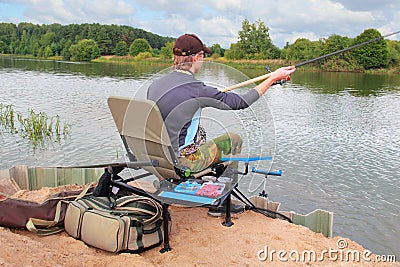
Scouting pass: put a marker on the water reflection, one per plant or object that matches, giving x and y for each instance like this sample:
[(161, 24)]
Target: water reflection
[(356, 84), (136, 70)]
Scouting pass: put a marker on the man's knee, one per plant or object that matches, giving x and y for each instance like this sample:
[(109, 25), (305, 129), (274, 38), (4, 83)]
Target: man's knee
[(236, 143)]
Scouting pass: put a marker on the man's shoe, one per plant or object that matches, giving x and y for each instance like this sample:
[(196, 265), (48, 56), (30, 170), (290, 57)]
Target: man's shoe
[(220, 211)]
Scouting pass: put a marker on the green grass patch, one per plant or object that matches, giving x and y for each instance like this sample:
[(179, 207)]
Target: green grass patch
[(37, 127)]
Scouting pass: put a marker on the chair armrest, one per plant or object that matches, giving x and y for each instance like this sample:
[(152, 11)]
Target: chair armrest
[(245, 158)]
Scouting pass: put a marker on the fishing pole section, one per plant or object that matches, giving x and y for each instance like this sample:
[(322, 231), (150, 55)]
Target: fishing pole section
[(266, 76)]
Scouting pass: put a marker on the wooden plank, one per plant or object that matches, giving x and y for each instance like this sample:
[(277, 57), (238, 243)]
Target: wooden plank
[(20, 175), (5, 173), (320, 221), (8, 186), (92, 175), (89, 173), (60, 177), (64, 176), (31, 178), (78, 176), (45, 177), (264, 203)]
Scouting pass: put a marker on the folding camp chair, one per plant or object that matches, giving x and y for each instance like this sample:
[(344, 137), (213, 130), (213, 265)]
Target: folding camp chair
[(146, 140)]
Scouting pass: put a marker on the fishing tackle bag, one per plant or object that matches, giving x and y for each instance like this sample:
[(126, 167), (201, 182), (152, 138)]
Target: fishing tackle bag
[(130, 223), (19, 213)]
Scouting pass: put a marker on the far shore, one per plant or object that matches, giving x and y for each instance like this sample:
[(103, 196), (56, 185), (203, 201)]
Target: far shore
[(239, 64)]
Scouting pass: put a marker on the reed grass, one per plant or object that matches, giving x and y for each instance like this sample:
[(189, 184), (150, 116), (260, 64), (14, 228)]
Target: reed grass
[(39, 128)]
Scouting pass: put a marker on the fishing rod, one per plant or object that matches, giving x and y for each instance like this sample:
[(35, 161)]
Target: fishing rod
[(131, 165), (266, 76), (345, 49)]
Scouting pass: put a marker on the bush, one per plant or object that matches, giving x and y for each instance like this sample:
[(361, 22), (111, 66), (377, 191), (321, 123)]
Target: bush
[(85, 50), (167, 50), (143, 55), (374, 55), (138, 46), (121, 48)]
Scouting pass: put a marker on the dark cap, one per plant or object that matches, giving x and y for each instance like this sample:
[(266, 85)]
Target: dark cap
[(189, 44)]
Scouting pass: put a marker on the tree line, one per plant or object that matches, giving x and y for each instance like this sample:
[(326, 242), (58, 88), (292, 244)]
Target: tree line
[(85, 42), (254, 42), (80, 42)]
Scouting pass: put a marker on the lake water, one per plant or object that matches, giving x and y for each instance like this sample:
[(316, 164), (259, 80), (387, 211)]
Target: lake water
[(336, 136)]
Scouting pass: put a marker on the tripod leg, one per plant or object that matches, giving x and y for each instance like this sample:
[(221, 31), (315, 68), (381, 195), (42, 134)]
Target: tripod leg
[(166, 247)]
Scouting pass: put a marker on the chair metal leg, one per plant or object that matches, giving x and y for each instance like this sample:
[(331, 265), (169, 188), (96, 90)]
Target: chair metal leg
[(166, 247), (228, 221)]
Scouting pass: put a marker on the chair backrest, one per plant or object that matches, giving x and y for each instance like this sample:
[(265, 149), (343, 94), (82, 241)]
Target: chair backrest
[(139, 122)]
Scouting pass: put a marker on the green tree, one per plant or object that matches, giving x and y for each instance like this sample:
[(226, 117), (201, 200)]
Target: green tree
[(234, 52), (167, 50), (48, 38), (55, 49), (65, 52), (336, 42), (24, 38), (40, 52), (35, 48), (301, 50), (342, 61), (3, 47), (255, 42), (101, 36), (14, 47), (85, 50), (373, 55), (25, 46), (121, 48), (394, 53), (48, 52), (217, 50), (138, 46), (8, 33)]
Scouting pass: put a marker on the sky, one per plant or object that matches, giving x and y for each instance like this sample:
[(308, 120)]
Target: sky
[(217, 21)]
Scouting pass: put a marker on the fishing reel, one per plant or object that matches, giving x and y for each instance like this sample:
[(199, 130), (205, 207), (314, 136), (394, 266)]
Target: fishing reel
[(281, 82)]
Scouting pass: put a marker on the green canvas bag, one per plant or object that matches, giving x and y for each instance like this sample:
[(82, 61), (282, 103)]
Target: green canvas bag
[(130, 223)]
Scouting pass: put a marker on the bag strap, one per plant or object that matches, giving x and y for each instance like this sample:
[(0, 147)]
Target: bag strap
[(44, 227), (96, 202), (84, 192), (124, 201)]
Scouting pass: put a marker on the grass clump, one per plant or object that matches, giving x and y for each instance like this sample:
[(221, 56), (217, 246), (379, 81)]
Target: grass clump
[(39, 128)]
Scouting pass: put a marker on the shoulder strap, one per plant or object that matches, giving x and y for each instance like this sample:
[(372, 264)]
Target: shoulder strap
[(155, 212), (44, 227)]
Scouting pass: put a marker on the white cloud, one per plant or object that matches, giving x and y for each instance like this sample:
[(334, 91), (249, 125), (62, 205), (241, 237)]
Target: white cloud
[(219, 30), (76, 11), (228, 5), (220, 21)]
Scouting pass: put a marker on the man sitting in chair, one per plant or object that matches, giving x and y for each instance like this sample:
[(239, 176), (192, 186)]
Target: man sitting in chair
[(180, 98)]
